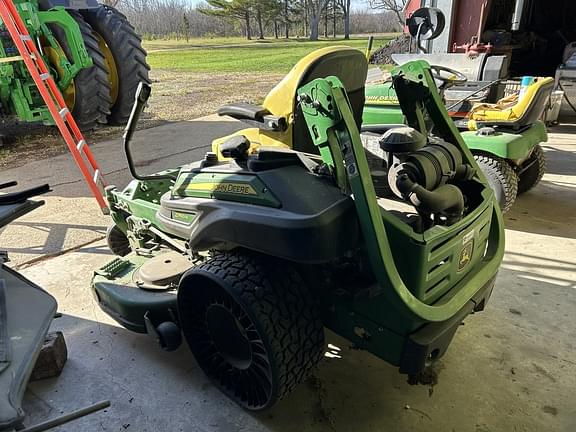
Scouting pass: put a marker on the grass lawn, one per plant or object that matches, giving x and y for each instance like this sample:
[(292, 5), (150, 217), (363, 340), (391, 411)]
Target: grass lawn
[(269, 56)]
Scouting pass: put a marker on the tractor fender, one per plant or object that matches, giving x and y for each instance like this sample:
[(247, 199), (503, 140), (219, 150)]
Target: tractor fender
[(515, 146)]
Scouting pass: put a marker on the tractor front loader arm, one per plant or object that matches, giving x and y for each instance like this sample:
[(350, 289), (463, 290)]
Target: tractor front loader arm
[(77, 57)]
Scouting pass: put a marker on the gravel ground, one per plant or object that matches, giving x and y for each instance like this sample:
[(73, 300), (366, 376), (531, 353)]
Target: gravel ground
[(176, 96)]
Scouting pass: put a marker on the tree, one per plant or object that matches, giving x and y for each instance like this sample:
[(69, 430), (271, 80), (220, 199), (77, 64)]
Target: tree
[(315, 8), (344, 6), (235, 9), (394, 6), (186, 26)]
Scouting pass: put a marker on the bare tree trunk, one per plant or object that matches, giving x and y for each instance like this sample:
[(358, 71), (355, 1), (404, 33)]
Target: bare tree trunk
[(347, 26), (326, 23), (286, 20), (334, 9), (306, 20), (314, 27), (247, 23), (259, 19), (275, 29)]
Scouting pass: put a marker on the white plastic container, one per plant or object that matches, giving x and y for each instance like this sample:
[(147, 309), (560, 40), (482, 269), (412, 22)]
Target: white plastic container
[(553, 111)]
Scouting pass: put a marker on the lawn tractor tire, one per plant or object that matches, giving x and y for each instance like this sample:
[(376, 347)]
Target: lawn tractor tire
[(117, 241), (501, 178), (125, 57), (536, 167), (91, 86), (252, 324)]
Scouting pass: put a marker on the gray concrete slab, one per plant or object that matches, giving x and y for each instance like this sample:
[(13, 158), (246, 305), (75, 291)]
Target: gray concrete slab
[(511, 368)]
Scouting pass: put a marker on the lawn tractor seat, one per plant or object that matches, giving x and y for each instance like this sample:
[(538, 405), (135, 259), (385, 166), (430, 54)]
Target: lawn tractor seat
[(505, 115), (279, 121)]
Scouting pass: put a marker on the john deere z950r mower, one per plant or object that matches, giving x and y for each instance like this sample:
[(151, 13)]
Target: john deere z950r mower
[(94, 55), (249, 253)]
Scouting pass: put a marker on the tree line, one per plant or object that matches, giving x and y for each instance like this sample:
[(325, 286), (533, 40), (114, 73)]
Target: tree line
[(253, 19)]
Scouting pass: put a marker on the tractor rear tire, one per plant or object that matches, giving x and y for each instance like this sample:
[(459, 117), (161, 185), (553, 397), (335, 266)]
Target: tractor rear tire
[(252, 325), (533, 174), (91, 86), (117, 241), (128, 58), (501, 178)]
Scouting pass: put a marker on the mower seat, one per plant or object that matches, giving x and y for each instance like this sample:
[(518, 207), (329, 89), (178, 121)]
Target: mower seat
[(348, 64), (279, 121), (509, 115)]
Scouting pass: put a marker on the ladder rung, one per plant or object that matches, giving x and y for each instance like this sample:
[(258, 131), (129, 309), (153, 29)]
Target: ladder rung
[(81, 145), (63, 112), (44, 76), (96, 176), (25, 37)]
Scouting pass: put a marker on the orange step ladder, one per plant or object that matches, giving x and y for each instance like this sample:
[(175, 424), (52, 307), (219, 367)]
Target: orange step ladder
[(54, 101)]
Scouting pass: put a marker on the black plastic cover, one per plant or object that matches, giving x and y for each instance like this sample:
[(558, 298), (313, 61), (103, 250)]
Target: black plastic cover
[(316, 222)]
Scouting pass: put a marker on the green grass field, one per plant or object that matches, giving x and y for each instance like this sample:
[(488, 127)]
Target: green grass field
[(230, 55)]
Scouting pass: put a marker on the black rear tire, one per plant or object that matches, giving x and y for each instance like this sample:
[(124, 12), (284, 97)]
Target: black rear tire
[(532, 175), (91, 86), (117, 241), (129, 57), (501, 178), (252, 325)]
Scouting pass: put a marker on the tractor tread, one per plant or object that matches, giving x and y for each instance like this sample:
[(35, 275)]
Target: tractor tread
[(126, 45), (498, 171), (92, 98)]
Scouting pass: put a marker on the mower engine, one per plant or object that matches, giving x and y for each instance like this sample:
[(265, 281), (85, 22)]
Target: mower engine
[(425, 171)]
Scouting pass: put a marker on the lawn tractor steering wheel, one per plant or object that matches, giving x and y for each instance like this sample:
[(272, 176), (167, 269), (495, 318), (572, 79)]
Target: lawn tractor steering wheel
[(448, 77)]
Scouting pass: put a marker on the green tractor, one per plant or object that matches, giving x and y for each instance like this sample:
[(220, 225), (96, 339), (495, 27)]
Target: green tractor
[(251, 252), (504, 138), (93, 53)]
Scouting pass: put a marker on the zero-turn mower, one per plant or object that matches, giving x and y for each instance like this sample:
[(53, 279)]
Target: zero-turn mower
[(249, 253)]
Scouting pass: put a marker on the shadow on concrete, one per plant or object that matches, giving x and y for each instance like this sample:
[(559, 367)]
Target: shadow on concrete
[(548, 209), (56, 235), (541, 268), (561, 162)]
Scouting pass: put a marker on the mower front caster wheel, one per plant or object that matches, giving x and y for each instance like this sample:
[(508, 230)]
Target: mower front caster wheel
[(252, 325), (169, 336), (501, 178)]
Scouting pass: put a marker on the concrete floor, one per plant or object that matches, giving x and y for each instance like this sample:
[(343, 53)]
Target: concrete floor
[(511, 368)]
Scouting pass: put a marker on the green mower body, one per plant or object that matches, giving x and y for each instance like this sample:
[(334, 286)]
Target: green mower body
[(286, 242)]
